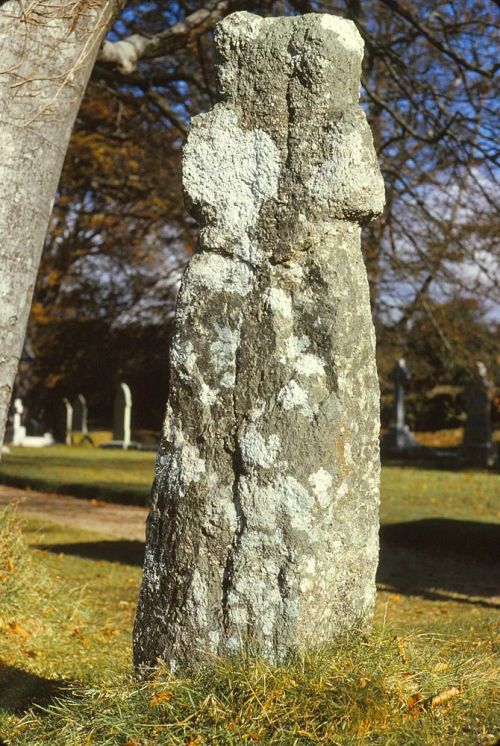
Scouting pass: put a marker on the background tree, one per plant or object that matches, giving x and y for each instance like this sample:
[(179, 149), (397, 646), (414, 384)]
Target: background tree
[(429, 92), (46, 56)]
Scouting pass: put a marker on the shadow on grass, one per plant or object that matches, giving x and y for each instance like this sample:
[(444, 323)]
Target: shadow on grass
[(435, 557), (435, 458), (432, 558), (110, 493), (124, 551), (20, 690)]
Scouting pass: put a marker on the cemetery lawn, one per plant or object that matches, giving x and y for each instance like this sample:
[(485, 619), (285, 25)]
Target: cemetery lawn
[(427, 675), (94, 473)]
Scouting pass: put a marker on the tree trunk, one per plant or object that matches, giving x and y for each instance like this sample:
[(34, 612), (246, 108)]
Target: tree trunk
[(47, 52)]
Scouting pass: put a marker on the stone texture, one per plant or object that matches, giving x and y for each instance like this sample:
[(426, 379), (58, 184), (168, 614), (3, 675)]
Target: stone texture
[(398, 438), (264, 515), (80, 414), (122, 413), (64, 422), (478, 448)]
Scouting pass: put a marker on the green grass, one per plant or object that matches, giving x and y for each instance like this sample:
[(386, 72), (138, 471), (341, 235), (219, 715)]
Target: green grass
[(410, 493), (125, 476), (111, 475), (66, 614), (64, 618), (380, 690)]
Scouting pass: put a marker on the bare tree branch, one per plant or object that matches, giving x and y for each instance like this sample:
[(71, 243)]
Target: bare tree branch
[(126, 53), (397, 8), (162, 103)]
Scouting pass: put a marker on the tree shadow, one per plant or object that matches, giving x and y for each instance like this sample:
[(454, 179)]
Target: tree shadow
[(436, 458), (127, 552), (436, 557), (20, 690)]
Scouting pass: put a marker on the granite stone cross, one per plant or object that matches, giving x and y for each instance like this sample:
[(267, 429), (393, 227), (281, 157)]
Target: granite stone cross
[(263, 526)]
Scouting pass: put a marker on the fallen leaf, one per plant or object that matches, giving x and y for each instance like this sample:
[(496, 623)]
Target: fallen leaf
[(401, 649), (444, 696), (415, 703), (111, 632), (441, 666), (16, 629), (160, 697)]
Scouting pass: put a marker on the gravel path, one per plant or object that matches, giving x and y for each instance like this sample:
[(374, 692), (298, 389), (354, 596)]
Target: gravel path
[(119, 521)]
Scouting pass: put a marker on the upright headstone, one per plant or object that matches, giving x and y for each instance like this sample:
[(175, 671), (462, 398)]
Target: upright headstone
[(122, 417), (398, 437), (64, 422), (80, 414), (264, 517), (478, 448), (18, 430)]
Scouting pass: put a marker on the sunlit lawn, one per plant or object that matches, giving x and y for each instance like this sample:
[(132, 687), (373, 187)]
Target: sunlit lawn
[(71, 620), (113, 475)]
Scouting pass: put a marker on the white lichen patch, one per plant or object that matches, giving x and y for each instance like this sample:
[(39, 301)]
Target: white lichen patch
[(215, 272), (191, 465), (208, 396), (304, 363), (348, 173), (199, 596), (293, 395), (256, 450), (321, 483), (298, 505), (223, 353), (279, 302), (169, 425), (257, 411), (183, 357), (346, 31), (220, 514), (229, 173)]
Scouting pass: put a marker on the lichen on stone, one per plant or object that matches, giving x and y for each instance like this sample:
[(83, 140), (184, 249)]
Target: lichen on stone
[(264, 511)]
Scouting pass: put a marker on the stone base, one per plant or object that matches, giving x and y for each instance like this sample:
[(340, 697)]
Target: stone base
[(398, 440), (38, 441), (482, 455), (132, 446), (33, 441), (119, 444)]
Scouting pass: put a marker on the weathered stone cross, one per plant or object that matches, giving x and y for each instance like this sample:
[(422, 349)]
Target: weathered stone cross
[(264, 517)]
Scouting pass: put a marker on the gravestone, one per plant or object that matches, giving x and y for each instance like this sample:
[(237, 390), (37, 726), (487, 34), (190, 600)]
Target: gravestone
[(263, 525), (80, 414), (18, 429), (64, 422), (121, 417), (398, 437), (478, 448)]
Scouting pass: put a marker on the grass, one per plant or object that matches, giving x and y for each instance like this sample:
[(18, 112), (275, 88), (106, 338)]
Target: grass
[(414, 493), (382, 690), (110, 475), (66, 613)]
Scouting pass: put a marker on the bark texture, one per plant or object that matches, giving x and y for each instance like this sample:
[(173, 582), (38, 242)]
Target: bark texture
[(47, 51), (264, 517)]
